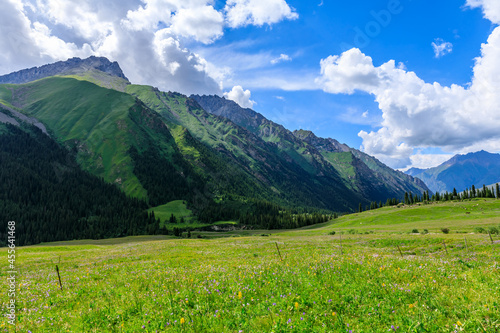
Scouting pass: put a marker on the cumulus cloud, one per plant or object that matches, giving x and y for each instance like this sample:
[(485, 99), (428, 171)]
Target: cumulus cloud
[(491, 9), (281, 58), (417, 113), (146, 37), (441, 47), (257, 12), (425, 161), (203, 23), (240, 96)]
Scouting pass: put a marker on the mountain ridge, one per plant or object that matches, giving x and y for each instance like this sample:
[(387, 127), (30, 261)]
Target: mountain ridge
[(227, 163), (461, 172), (369, 176), (94, 69)]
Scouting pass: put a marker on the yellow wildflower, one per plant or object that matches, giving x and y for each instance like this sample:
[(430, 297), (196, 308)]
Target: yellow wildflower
[(296, 305), (240, 295), (183, 320)]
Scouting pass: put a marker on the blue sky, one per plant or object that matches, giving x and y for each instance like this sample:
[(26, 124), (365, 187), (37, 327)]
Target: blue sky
[(318, 65)]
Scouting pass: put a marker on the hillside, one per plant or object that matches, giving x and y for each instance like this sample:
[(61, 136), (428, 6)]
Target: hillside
[(159, 147), (461, 172), (274, 174), (44, 190), (358, 171)]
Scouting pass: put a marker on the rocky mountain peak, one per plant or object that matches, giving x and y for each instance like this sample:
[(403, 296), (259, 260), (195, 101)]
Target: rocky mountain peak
[(73, 66)]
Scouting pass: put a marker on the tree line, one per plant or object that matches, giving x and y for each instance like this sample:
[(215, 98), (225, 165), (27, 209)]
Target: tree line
[(50, 198)]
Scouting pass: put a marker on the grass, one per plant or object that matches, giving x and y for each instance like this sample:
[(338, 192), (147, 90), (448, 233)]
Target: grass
[(239, 284), (177, 208)]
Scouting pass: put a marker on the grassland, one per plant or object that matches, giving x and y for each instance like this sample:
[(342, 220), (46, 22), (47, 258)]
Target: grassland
[(239, 283), (177, 208)]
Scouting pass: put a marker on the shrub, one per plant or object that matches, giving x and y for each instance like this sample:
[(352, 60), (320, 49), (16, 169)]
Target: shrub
[(425, 232), (352, 232), (331, 232), (479, 230), (414, 231), (494, 230), (445, 230)]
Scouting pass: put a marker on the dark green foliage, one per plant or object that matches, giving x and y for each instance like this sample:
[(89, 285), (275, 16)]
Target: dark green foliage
[(445, 230), (479, 230), (494, 230), (51, 198)]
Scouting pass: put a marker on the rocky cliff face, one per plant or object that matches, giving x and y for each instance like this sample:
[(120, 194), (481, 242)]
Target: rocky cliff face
[(69, 67), (325, 145)]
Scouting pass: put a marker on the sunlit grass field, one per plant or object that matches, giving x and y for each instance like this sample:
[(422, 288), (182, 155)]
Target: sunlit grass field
[(376, 276)]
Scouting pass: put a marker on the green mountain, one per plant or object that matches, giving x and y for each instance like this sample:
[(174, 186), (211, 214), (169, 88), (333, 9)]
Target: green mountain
[(461, 172), (51, 198), (270, 172), (358, 171), (157, 147)]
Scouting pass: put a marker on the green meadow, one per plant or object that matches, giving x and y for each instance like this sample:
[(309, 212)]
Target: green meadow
[(177, 208), (375, 274)]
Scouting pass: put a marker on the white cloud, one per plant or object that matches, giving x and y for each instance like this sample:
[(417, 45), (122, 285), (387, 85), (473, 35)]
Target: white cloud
[(146, 37), (425, 161), (441, 48), (420, 114), (281, 58), (203, 23), (240, 96), (257, 12), (25, 43), (125, 31), (491, 9)]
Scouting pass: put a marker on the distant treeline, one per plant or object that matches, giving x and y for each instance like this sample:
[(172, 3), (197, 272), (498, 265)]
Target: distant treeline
[(410, 198), (264, 214)]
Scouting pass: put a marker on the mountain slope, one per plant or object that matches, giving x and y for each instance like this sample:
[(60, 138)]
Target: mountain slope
[(44, 190), (163, 146), (360, 172), (461, 172), (267, 163), (112, 134)]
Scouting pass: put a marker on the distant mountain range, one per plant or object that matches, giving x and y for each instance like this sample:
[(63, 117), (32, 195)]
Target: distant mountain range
[(461, 172), (161, 146)]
